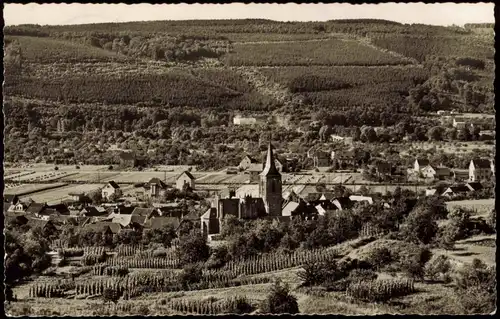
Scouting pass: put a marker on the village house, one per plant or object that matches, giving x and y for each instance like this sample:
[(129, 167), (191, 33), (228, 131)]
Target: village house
[(438, 173), (246, 162), (459, 122), (346, 158), (460, 175), (17, 208), (320, 158), (456, 190), (10, 199), (480, 169), (419, 164), (341, 139), (162, 222), (240, 120), (92, 211), (111, 189), (474, 186), (186, 179), (157, 187)]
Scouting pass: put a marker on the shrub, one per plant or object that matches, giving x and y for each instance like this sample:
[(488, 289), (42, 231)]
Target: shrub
[(110, 167), (240, 305), (56, 168), (379, 257), (191, 274), (476, 287), (110, 295), (438, 268), (312, 273), (413, 264), (280, 301)]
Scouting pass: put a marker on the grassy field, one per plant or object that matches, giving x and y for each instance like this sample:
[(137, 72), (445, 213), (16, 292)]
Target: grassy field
[(55, 196), (22, 189)]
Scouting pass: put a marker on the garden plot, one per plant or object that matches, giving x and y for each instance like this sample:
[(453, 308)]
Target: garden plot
[(19, 175), (213, 178), (89, 176), (25, 189), (238, 179), (60, 194)]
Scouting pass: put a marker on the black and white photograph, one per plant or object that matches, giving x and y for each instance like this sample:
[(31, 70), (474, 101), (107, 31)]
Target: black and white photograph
[(249, 159)]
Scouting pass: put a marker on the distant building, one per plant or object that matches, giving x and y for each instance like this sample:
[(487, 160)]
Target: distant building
[(439, 173), (111, 189), (157, 187), (456, 190), (185, 179), (239, 120), (246, 162), (480, 169), (419, 164), (320, 158)]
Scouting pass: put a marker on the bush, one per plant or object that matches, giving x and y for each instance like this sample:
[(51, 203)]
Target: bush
[(438, 268), (191, 274), (413, 264), (239, 306), (77, 167), (110, 295), (379, 257), (110, 167), (476, 287), (280, 301), (56, 168)]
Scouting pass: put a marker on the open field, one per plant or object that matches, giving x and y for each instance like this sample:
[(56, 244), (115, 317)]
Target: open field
[(57, 195), (23, 189), (446, 147)]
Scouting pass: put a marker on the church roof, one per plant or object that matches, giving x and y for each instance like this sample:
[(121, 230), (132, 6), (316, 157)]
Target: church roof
[(270, 168)]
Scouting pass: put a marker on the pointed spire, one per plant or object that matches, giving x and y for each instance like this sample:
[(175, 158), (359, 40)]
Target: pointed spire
[(270, 168)]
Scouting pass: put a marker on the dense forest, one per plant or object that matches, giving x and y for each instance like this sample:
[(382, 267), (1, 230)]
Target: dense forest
[(176, 85)]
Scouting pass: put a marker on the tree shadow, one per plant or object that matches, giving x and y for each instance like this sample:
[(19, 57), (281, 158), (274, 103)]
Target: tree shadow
[(465, 254)]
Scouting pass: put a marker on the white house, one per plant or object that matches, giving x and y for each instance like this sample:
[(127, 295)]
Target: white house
[(186, 178), (239, 120), (480, 169), (111, 189)]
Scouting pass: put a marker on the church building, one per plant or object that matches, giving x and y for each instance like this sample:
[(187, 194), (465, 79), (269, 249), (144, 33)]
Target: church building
[(267, 204)]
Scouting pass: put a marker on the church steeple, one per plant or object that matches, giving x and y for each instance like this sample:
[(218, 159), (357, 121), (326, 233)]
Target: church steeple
[(270, 186), (270, 168)]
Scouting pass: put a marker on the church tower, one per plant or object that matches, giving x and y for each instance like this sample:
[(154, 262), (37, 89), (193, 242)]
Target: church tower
[(270, 188)]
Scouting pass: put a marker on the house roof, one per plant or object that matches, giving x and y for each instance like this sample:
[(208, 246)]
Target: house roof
[(160, 222), (139, 211), (422, 161), (252, 160), (289, 208), (93, 211), (157, 181), (60, 208), (103, 226), (357, 198), (474, 186), (458, 189), (189, 175), (255, 167), (481, 163), (442, 171), (342, 202), (210, 213), (191, 216), (35, 208), (125, 210), (113, 184)]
